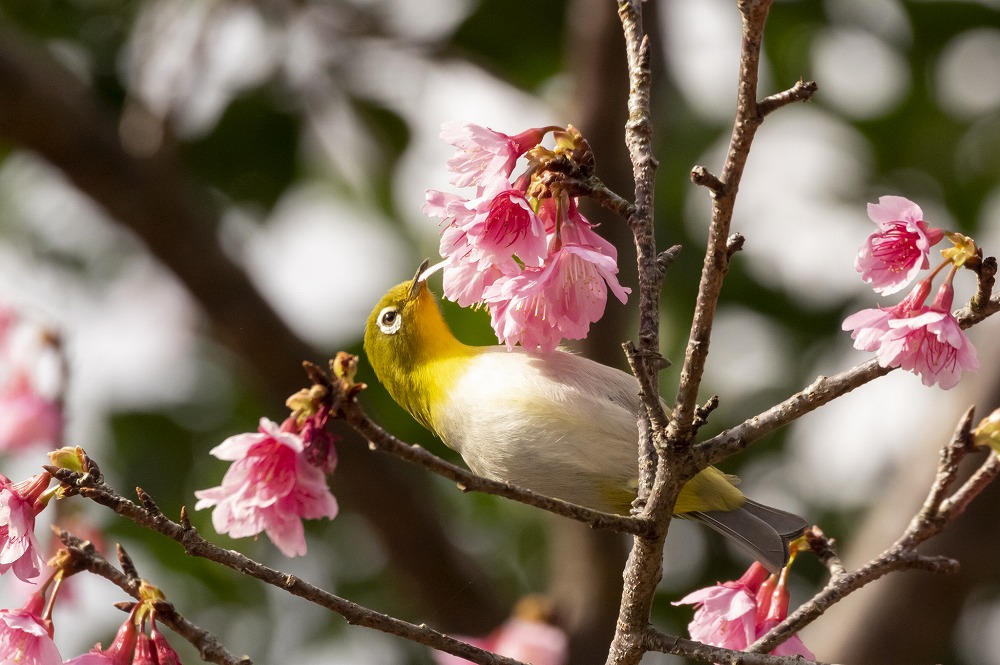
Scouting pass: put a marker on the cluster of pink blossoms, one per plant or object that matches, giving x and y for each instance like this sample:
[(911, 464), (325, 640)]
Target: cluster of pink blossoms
[(26, 635), (521, 249), (924, 339), (26, 415), (277, 479), (734, 615), (132, 644)]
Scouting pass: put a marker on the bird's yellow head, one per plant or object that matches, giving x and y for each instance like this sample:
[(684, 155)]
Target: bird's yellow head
[(411, 348)]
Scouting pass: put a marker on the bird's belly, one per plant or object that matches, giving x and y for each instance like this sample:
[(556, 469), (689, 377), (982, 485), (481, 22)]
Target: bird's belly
[(575, 450)]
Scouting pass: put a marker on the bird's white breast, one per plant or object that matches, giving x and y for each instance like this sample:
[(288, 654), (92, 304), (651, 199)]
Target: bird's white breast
[(557, 423)]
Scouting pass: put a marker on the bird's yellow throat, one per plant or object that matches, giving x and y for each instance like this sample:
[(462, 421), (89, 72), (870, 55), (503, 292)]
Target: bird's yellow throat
[(419, 362)]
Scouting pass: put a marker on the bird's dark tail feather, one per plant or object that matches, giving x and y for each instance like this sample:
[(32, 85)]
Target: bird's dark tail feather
[(762, 531)]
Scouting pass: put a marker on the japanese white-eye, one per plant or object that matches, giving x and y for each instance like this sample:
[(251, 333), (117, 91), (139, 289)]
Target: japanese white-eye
[(556, 423)]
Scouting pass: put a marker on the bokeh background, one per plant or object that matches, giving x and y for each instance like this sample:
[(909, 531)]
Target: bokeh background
[(200, 195)]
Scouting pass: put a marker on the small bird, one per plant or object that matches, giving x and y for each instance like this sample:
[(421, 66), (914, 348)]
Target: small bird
[(553, 422)]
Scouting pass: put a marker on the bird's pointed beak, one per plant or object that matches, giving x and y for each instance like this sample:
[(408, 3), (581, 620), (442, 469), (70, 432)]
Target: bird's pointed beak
[(418, 278)]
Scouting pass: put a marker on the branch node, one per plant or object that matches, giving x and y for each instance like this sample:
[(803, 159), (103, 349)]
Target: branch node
[(734, 243), (147, 502), (185, 519), (701, 176), (702, 412), (92, 470), (128, 566), (667, 257), (934, 564), (986, 273), (800, 92)]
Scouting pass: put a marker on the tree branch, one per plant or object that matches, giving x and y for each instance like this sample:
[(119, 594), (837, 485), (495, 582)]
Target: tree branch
[(91, 486), (821, 391), (84, 555), (643, 569), (937, 513), (749, 116)]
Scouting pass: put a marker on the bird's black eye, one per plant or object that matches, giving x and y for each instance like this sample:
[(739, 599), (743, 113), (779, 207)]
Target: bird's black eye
[(389, 320)]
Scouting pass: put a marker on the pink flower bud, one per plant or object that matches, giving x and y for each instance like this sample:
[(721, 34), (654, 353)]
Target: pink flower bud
[(165, 653), (144, 654)]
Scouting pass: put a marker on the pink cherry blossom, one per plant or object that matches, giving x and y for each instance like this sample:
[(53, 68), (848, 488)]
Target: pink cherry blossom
[(892, 256), (734, 615), (492, 230), (540, 306), (510, 227), (725, 614), (523, 249), (19, 505), (122, 648), (772, 609), (447, 206), (26, 417), (165, 654), (465, 283), (929, 343), (145, 653), (485, 239), (270, 487), (532, 642), (485, 156), (870, 325), (25, 639)]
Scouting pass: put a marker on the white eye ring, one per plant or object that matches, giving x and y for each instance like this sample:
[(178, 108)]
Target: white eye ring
[(390, 320)]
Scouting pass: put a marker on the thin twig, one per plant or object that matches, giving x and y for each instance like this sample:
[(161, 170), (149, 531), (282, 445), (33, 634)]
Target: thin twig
[(594, 188), (935, 514), (986, 277), (749, 116), (85, 555), (821, 391), (702, 177), (643, 570), (800, 92)]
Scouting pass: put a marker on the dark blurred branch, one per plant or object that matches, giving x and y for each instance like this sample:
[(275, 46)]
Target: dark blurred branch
[(45, 109), (91, 486), (84, 555), (939, 510)]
